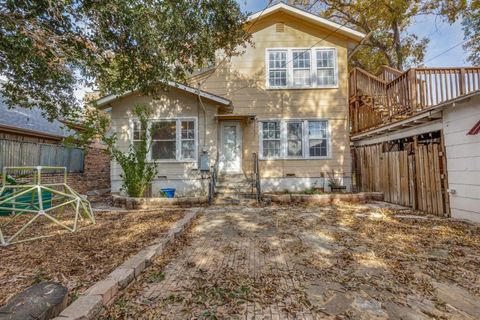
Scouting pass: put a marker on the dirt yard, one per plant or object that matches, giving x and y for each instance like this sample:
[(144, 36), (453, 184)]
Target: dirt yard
[(77, 260), (340, 262)]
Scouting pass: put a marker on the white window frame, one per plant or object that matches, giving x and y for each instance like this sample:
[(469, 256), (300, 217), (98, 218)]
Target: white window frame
[(309, 69), (152, 140), (335, 71), (178, 140), (285, 144), (262, 139), (308, 138), (284, 140), (132, 131), (276, 69), (313, 68)]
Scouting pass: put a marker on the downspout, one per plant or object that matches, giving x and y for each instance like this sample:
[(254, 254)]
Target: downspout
[(200, 103)]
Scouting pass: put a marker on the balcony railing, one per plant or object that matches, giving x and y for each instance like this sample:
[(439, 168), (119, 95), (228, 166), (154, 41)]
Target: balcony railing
[(375, 101)]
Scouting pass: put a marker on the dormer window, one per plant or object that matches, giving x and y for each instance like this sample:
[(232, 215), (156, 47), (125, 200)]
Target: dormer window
[(297, 68)]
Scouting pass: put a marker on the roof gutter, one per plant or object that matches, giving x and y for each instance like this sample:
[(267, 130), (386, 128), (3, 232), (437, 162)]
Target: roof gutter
[(31, 133)]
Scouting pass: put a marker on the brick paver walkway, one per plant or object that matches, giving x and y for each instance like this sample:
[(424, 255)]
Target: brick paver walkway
[(232, 245), (246, 262)]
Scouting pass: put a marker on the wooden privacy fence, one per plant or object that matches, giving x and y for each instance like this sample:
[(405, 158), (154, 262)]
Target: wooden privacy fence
[(19, 153), (413, 177)]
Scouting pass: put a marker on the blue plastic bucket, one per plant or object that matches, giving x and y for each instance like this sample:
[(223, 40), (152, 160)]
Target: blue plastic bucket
[(169, 192)]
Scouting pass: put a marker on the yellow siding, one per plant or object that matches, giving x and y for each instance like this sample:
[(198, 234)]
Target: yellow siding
[(173, 104), (243, 80)]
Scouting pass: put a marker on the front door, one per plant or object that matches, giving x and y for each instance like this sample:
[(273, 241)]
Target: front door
[(230, 147)]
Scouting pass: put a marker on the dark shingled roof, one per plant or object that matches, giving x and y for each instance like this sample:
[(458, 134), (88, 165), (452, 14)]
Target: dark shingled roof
[(31, 120)]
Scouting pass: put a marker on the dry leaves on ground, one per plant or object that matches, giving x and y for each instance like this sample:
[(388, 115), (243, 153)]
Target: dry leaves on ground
[(77, 260), (357, 250)]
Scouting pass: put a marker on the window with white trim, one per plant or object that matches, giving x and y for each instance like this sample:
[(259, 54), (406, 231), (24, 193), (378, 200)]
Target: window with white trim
[(138, 133), (302, 68), (317, 138), (164, 140), (187, 140), (277, 68), (171, 139), (325, 67), (271, 139), (294, 139)]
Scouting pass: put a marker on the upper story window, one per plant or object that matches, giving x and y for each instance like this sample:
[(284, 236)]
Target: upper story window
[(277, 68), (302, 68), (326, 67)]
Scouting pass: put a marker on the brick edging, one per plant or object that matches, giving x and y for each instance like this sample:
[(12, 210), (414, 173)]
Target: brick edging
[(131, 203), (324, 199), (102, 293)]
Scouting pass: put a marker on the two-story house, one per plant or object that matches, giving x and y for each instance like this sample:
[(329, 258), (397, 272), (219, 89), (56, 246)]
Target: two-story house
[(285, 99)]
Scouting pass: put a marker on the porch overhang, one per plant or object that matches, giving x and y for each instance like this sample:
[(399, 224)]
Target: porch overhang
[(233, 116)]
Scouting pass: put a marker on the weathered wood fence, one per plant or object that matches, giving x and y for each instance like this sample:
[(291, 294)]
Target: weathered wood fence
[(413, 175), (20, 153)]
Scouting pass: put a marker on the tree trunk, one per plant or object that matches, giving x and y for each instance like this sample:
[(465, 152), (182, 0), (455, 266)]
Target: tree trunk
[(397, 45)]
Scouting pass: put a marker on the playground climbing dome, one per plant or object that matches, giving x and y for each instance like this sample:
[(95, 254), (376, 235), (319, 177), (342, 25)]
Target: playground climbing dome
[(37, 202)]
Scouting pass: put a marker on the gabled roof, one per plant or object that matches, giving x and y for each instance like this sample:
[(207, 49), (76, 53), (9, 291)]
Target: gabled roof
[(307, 16), (104, 101)]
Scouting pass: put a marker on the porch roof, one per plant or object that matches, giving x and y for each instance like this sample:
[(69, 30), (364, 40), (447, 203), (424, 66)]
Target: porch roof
[(103, 102), (232, 116)]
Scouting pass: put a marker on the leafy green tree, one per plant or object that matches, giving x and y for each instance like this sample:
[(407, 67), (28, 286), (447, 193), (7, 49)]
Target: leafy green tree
[(50, 48), (471, 27), (386, 23), (138, 172)]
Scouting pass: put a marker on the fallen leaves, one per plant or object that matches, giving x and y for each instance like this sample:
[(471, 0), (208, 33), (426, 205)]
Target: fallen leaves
[(77, 260), (304, 257)]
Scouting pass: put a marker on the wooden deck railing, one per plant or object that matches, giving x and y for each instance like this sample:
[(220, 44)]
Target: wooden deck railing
[(375, 101), (388, 73)]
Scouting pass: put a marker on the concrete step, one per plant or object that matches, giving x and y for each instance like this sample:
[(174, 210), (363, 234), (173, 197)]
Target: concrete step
[(229, 184), (240, 177), (244, 194), (243, 199), (220, 191)]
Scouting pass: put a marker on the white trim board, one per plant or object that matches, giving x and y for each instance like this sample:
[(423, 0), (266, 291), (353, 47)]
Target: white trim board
[(307, 16), (405, 133), (112, 97)]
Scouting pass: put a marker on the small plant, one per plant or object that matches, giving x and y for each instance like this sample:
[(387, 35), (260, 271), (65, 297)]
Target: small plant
[(39, 277), (310, 191), (333, 181), (137, 173), (162, 194), (156, 277)]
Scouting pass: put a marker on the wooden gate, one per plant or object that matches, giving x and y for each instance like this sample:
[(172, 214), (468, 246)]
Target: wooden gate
[(410, 173)]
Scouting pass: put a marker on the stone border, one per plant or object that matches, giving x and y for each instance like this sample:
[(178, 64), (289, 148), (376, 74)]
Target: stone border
[(130, 203), (103, 293), (324, 199)]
